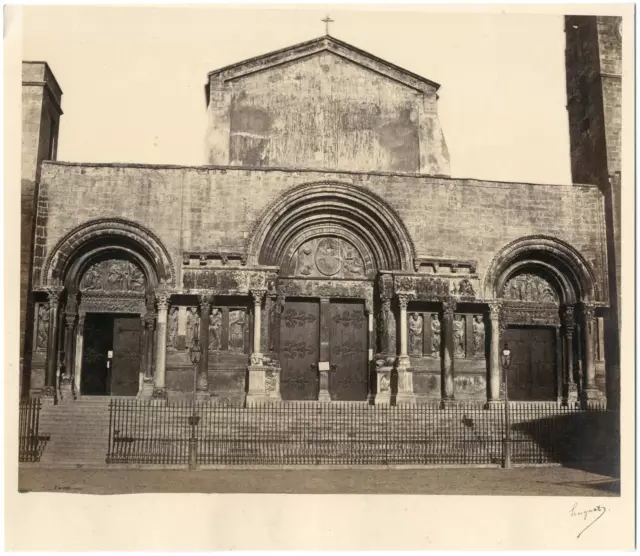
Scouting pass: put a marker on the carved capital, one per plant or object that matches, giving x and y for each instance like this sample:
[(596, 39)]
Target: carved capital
[(258, 295), (256, 359), (589, 312), (403, 300), (205, 300), (162, 300), (448, 307), (495, 310), (568, 316), (54, 293)]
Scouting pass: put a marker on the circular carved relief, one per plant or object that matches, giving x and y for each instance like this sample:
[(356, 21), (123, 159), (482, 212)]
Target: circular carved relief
[(328, 257)]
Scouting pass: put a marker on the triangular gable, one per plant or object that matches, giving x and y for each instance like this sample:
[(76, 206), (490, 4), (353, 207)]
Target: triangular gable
[(321, 44)]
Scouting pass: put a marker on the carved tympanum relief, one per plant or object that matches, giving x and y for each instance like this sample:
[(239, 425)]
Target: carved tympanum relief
[(529, 287), (113, 275), (327, 257)]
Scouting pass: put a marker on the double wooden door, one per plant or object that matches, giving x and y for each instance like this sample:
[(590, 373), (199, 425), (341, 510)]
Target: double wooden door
[(336, 333), (111, 355), (533, 369)]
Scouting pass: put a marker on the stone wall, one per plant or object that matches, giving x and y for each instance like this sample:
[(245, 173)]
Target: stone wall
[(209, 209)]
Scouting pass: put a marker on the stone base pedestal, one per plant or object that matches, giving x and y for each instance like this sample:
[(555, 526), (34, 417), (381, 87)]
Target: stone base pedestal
[(264, 384), (159, 393), (323, 395), (494, 404), (145, 390), (571, 397), (446, 403), (383, 386), (405, 393), (592, 398), (203, 396), (66, 392)]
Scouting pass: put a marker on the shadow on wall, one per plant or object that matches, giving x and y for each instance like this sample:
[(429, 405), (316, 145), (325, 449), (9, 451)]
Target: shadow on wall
[(589, 441)]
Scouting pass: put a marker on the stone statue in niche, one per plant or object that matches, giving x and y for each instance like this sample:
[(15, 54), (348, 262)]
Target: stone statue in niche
[(458, 336), (215, 329), (530, 287), (43, 327), (193, 325), (172, 329), (415, 334), (478, 335), (236, 330), (436, 327)]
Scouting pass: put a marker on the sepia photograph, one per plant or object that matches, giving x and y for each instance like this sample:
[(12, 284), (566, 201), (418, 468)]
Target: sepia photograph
[(325, 250)]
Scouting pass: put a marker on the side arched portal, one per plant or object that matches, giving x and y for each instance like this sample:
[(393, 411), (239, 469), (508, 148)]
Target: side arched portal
[(101, 279)]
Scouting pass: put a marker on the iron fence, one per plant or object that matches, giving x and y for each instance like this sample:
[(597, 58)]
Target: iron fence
[(299, 433), (30, 441)]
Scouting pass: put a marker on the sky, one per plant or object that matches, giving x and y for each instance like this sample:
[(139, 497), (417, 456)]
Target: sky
[(133, 77)]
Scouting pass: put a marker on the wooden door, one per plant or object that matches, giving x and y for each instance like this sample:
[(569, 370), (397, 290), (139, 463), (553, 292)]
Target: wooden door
[(532, 373), (299, 347), (126, 356), (97, 342), (348, 352)]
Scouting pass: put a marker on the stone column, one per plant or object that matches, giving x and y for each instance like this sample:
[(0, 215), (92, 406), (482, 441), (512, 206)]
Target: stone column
[(77, 373), (52, 343), (205, 302), (495, 310), (448, 398), (257, 390), (386, 356), (162, 299), (590, 394), (570, 394), (145, 389), (324, 367), (405, 375), (67, 392)]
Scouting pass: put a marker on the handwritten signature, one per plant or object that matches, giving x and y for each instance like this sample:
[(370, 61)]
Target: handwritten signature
[(592, 515)]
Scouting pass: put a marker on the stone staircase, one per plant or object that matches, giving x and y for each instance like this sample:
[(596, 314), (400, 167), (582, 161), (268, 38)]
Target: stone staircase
[(78, 432)]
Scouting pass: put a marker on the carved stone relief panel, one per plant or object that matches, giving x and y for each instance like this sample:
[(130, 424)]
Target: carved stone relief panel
[(113, 275), (416, 322), (459, 349), (436, 331), (529, 287), (42, 333), (237, 323), (193, 326), (215, 329), (172, 329), (327, 257), (478, 336)]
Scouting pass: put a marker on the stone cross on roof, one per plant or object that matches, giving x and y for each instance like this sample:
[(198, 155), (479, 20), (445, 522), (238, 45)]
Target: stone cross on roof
[(326, 22)]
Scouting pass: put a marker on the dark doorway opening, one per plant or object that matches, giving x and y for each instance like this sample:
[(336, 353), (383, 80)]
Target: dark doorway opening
[(533, 369), (111, 355)]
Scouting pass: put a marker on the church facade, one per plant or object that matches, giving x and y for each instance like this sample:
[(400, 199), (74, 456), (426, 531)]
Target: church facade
[(324, 253)]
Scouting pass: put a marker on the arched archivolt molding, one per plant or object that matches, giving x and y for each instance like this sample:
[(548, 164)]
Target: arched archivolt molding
[(116, 237), (555, 259), (335, 205)]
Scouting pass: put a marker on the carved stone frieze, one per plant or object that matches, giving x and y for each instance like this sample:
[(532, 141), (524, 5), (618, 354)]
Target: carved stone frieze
[(529, 287), (443, 265), (113, 275), (113, 304), (527, 314), (429, 288), (405, 284), (229, 282), (385, 286), (350, 289)]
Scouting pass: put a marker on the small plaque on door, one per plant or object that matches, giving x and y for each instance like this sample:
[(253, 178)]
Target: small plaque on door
[(323, 366), (110, 354)]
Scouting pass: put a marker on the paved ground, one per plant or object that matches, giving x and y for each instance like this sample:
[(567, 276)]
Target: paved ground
[(548, 481)]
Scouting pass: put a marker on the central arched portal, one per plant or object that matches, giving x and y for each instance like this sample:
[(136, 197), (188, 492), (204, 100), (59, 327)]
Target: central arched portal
[(330, 240)]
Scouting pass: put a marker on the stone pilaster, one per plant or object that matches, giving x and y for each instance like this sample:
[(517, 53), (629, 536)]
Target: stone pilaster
[(387, 353), (324, 367), (405, 393), (495, 315), (162, 300), (50, 390), (448, 398), (77, 373), (67, 385), (145, 389), (257, 388), (591, 395), (205, 302), (570, 391)]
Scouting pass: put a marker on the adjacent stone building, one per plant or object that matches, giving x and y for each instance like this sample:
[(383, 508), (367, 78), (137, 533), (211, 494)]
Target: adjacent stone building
[(323, 254)]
